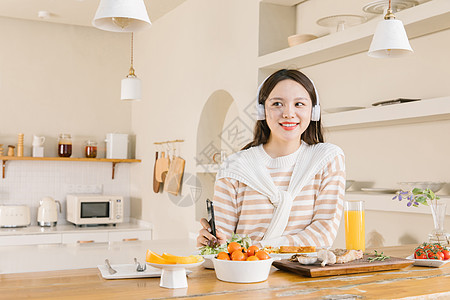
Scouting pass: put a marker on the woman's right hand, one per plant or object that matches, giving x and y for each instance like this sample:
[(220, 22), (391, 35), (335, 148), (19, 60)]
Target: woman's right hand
[(205, 237)]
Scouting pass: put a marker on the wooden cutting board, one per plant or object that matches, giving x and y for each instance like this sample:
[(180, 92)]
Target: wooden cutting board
[(156, 183), (172, 183), (357, 266), (162, 166)]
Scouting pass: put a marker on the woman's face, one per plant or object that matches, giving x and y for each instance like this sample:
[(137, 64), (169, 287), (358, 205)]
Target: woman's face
[(288, 111)]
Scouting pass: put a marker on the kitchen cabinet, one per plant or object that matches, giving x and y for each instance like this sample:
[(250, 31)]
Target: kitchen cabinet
[(114, 162), (85, 237), (36, 239), (68, 234), (420, 20), (129, 236)]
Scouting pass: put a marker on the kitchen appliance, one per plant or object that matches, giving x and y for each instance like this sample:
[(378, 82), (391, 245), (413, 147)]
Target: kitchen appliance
[(48, 212), (117, 145), (94, 209), (14, 215)]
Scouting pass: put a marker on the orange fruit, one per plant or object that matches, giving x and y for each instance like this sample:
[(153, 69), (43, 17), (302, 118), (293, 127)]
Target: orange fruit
[(245, 255), (233, 246), (238, 255), (252, 258), (223, 255), (252, 250), (262, 255)]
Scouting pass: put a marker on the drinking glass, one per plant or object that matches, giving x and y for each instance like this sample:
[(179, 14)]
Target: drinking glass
[(354, 225)]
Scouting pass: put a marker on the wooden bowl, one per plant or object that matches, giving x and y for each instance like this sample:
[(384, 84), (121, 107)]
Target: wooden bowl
[(300, 39)]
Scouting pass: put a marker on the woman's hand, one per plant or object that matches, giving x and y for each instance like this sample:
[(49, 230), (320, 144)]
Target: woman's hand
[(205, 237)]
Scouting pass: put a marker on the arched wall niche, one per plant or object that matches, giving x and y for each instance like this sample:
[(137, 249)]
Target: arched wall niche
[(219, 109)]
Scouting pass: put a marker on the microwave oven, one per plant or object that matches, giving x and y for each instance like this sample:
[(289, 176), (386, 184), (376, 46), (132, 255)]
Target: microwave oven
[(86, 209)]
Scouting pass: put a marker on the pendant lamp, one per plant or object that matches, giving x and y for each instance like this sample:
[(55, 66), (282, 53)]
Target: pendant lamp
[(390, 39), (121, 16), (131, 85)]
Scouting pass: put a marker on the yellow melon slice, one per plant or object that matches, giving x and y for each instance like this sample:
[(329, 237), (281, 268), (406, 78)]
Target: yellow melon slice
[(173, 259), (154, 258)]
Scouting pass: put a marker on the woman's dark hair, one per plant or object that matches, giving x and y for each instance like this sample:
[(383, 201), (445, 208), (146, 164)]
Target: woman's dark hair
[(261, 133)]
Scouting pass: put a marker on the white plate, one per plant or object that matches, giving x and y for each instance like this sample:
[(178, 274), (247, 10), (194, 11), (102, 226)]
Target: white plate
[(342, 108), (379, 190), (289, 255), (427, 262), (175, 266), (128, 271)]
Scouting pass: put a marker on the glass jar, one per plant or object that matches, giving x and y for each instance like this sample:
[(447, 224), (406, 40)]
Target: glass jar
[(64, 145), (90, 149)]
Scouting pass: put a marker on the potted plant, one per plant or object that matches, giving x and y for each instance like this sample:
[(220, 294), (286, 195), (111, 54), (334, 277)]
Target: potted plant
[(427, 197)]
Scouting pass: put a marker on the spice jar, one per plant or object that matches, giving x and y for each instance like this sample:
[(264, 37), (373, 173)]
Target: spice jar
[(90, 149), (64, 145)]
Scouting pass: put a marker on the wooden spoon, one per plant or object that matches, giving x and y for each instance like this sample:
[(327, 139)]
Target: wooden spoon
[(156, 183)]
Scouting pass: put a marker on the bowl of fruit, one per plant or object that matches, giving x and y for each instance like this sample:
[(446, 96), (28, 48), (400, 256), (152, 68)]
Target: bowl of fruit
[(241, 265), (211, 250)]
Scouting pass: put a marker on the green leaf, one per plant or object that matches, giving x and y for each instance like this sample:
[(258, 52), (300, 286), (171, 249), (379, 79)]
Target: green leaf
[(417, 191), (433, 196), (422, 200)]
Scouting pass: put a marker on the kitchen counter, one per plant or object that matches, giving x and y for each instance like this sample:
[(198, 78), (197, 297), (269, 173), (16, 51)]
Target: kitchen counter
[(413, 282), (67, 228)]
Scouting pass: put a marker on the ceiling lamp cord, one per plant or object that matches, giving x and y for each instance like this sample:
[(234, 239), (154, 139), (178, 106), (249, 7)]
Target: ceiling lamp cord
[(131, 73), (389, 14)]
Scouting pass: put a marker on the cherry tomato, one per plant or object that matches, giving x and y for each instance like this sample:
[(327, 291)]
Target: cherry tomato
[(440, 255), (432, 255), (446, 254), (420, 254)]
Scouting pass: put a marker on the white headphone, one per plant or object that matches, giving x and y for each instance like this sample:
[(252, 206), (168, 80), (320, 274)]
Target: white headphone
[(261, 114)]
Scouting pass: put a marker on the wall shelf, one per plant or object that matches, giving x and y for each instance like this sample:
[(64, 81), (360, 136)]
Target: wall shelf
[(114, 161), (423, 110), (384, 202), (423, 19)]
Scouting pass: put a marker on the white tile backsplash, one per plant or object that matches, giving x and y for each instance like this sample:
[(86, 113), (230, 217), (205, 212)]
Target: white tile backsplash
[(26, 182)]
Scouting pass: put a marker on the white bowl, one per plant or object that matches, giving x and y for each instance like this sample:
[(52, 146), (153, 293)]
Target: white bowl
[(297, 39), (434, 186), (208, 264), (242, 271)]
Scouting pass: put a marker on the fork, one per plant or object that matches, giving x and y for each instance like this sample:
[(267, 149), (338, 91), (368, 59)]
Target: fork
[(139, 267), (110, 269)]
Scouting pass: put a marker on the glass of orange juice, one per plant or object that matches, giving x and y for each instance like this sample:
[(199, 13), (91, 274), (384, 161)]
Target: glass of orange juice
[(354, 225)]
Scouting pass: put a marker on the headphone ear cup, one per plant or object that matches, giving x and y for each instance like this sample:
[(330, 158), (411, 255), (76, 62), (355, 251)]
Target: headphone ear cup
[(315, 113)]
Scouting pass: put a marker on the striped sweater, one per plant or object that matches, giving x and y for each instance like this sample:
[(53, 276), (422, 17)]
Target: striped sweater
[(315, 214)]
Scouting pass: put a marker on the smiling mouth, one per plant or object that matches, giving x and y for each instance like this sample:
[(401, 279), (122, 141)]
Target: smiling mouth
[(289, 126)]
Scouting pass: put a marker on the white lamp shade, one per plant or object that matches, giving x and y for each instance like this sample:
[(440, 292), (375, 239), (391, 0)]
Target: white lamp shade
[(131, 89), (121, 15), (390, 40)]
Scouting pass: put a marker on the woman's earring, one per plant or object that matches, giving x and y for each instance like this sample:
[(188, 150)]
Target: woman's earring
[(261, 113)]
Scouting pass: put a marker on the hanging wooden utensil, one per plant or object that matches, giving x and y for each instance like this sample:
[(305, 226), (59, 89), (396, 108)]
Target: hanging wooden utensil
[(172, 183), (162, 166), (156, 183)]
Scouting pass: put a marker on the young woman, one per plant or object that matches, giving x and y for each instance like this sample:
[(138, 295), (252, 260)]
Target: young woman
[(287, 186)]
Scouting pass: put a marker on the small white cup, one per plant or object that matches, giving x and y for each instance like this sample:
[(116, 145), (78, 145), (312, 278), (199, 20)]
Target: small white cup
[(38, 140)]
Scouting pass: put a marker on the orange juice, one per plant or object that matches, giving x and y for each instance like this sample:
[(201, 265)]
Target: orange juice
[(354, 230)]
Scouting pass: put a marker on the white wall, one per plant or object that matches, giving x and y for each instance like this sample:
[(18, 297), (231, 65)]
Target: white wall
[(198, 48)]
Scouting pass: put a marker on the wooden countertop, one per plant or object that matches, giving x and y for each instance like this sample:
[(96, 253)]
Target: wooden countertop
[(88, 284)]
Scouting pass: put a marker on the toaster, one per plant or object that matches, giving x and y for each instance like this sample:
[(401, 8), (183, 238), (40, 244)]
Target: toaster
[(14, 216)]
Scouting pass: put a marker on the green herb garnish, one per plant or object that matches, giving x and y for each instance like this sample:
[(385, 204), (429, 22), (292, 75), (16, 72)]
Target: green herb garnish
[(378, 257)]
